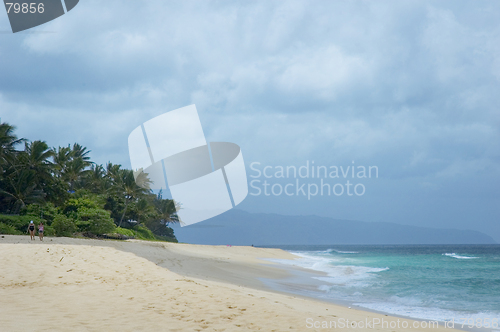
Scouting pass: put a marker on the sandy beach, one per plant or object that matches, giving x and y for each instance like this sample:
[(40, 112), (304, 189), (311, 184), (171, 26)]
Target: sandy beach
[(66, 284)]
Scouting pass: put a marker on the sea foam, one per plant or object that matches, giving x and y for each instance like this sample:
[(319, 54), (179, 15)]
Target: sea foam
[(459, 256)]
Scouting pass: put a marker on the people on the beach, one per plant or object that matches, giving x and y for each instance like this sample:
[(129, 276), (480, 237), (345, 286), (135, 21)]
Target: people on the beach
[(40, 231), (31, 229)]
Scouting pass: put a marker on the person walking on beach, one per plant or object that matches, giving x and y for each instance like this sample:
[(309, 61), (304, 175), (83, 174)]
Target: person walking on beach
[(31, 229), (40, 231)]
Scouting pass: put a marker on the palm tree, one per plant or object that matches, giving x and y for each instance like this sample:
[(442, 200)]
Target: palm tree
[(61, 157), (112, 170), (22, 190), (96, 180), (166, 212), (35, 157), (144, 209), (74, 172), (79, 151), (124, 186), (167, 209), (71, 164), (8, 141)]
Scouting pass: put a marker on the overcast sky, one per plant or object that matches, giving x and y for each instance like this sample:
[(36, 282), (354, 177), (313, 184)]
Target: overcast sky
[(411, 87)]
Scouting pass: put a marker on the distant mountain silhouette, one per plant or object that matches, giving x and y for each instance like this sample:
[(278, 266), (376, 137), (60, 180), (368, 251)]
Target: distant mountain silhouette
[(237, 227)]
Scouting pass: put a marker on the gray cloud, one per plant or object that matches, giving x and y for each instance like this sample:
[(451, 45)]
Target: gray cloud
[(409, 86)]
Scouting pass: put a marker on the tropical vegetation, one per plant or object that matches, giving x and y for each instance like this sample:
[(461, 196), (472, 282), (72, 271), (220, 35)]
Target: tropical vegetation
[(75, 196)]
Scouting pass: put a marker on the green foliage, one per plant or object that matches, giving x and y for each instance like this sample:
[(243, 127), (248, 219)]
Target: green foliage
[(20, 188), (125, 188), (68, 192), (95, 221), (143, 233), (19, 223), (73, 205), (45, 211), (8, 141), (167, 238), (49, 231), (126, 232), (139, 232), (167, 235), (86, 195), (143, 210), (70, 165), (63, 226), (8, 229)]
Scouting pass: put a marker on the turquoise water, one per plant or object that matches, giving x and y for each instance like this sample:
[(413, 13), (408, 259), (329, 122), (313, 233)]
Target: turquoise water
[(428, 281)]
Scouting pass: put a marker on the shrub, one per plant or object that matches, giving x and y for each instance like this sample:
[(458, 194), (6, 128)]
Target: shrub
[(143, 233), (138, 232), (95, 221), (48, 211), (63, 226), (49, 231), (167, 238), (125, 231), (19, 223), (74, 205), (8, 229), (98, 200)]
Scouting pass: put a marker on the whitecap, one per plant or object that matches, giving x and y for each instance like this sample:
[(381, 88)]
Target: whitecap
[(345, 252), (459, 256)]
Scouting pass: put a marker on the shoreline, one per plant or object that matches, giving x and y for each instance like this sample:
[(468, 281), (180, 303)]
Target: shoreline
[(214, 273)]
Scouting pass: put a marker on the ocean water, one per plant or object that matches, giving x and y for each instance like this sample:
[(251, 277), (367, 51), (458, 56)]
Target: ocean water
[(436, 282)]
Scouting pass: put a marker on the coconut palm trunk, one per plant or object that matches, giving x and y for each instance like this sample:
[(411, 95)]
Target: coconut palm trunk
[(124, 211)]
